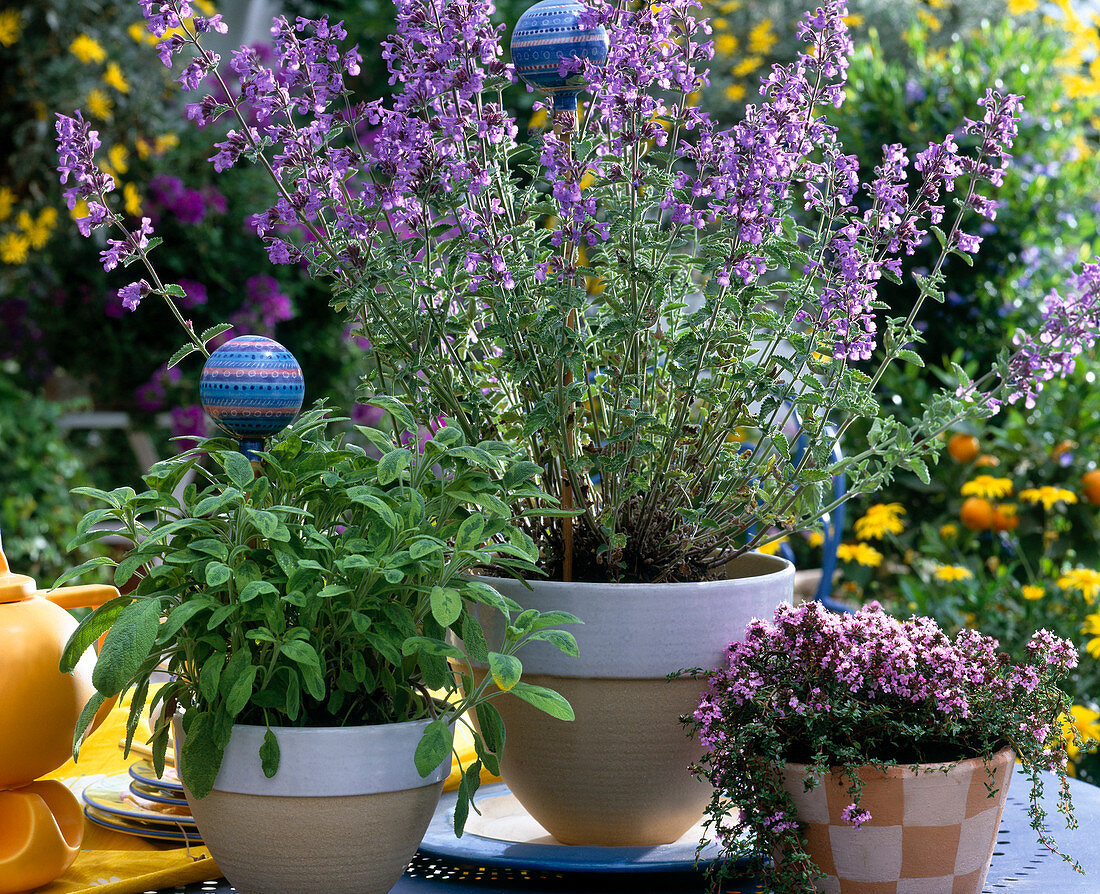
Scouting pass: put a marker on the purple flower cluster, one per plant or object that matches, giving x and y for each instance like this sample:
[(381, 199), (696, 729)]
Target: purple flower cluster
[(880, 673), (76, 146), (1070, 327)]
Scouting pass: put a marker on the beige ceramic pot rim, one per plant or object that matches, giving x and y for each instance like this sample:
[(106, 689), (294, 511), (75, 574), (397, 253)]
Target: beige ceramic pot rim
[(647, 631), (908, 771), (325, 761)]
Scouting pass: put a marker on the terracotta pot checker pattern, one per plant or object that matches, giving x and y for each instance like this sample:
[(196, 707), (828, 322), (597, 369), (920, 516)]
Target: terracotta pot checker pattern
[(930, 832)]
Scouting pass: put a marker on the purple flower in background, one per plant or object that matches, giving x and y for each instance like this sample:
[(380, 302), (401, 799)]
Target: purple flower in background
[(265, 306), (189, 422), (195, 294), (368, 415)]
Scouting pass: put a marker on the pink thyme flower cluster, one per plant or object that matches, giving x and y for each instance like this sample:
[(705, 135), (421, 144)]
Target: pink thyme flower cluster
[(808, 664)]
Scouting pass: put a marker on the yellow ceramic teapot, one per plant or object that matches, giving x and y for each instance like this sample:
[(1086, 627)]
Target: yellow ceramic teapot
[(41, 823)]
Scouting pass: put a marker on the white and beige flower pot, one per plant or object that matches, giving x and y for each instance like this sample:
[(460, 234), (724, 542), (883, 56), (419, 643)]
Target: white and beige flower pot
[(344, 814), (618, 774)]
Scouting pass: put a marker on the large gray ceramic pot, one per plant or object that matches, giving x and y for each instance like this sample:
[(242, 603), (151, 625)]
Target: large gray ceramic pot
[(618, 774), (344, 814)]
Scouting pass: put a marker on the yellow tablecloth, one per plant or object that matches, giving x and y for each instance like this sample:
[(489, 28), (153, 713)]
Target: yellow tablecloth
[(115, 863)]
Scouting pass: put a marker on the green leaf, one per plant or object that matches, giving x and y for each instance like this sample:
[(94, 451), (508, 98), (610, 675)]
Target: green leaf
[(403, 419), (544, 699), (214, 331), (218, 573), (210, 675), (81, 568), (269, 754), (238, 468), (180, 354), (519, 473), (241, 691), (473, 639), (446, 605), (491, 725), (201, 755), (425, 546), (258, 588), (434, 746), (87, 715), (433, 647), (267, 523), (128, 644), (90, 629), (181, 614), (393, 464), (562, 640), (506, 670), (469, 532)]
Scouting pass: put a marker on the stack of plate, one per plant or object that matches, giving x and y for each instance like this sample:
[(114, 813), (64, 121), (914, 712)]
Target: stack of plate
[(141, 803)]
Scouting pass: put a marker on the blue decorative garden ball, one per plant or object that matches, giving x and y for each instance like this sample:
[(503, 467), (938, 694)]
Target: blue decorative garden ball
[(252, 387), (544, 34)]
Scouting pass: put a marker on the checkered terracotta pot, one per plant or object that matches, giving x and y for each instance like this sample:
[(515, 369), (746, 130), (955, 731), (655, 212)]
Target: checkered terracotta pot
[(932, 830)]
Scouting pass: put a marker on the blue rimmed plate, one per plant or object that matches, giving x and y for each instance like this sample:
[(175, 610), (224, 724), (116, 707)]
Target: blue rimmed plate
[(112, 796), (156, 833), (144, 773), (505, 835)]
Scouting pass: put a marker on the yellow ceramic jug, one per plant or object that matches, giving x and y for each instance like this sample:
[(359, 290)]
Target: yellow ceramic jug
[(41, 824)]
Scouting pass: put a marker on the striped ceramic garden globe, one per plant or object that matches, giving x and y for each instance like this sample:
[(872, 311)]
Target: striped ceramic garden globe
[(252, 388), (544, 34)]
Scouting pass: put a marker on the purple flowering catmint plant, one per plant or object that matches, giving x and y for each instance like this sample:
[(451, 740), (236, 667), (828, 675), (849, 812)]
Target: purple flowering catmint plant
[(667, 313), (841, 691)]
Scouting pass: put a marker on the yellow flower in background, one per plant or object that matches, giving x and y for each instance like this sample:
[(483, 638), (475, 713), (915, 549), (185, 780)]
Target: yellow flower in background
[(131, 200), (718, 23), (1084, 579), (13, 248), (7, 199), (929, 20), (37, 230), (746, 66), (854, 20), (79, 210), (948, 531), (735, 92), (725, 44), (861, 553), (880, 520), (99, 104), (205, 7), (770, 549), (11, 25), (762, 38), (1084, 720), (140, 34), (1021, 7), (1032, 592), (1048, 495), (118, 158), (952, 573), (114, 77), (815, 539), (1092, 627), (988, 487), (87, 49), (146, 148)]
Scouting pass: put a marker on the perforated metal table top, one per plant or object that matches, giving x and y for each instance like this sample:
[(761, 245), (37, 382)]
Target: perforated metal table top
[(1020, 864)]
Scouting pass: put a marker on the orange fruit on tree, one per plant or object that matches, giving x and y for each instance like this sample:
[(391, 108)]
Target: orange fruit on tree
[(1090, 481), (977, 513), (963, 447), (1004, 518)]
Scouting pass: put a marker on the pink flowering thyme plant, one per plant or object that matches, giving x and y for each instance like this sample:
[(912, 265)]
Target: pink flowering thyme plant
[(663, 311), (840, 691)]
